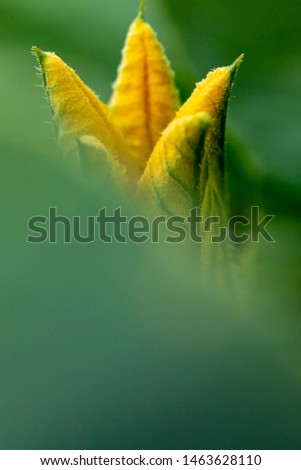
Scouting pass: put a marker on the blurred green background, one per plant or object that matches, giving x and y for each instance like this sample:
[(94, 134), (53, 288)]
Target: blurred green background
[(120, 346)]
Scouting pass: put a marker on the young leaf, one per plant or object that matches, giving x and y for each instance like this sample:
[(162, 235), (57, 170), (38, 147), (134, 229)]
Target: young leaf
[(77, 110), (211, 96), (170, 181), (144, 99)]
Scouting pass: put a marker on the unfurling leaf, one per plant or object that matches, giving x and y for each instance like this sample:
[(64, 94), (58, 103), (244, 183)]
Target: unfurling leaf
[(77, 110), (170, 181), (166, 179), (145, 99), (211, 96)]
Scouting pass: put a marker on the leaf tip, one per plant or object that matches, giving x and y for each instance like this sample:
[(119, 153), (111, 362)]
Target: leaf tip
[(141, 9), (236, 64), (40, 55)]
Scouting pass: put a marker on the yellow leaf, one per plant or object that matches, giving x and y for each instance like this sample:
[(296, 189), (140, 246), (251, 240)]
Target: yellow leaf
[(144, 99), (170, 181), (211, 94), (77, 110)]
